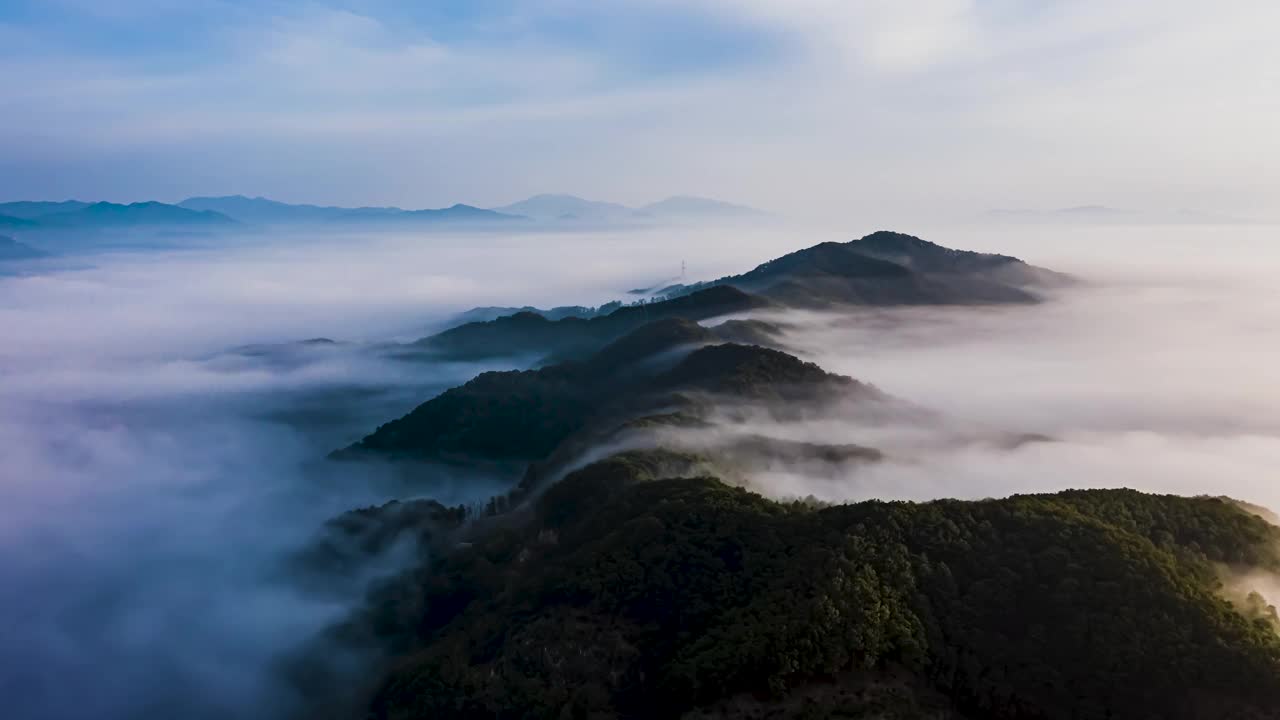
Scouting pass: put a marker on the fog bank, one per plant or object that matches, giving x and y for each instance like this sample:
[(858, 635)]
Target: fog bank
[(1158, 372), (157, 473)]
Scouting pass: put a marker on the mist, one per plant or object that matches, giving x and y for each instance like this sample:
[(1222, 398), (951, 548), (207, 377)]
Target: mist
[(162, 437), (163, 430), (1157, 372)]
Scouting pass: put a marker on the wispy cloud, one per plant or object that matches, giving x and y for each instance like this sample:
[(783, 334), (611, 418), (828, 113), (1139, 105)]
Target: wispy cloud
[(863, 107)]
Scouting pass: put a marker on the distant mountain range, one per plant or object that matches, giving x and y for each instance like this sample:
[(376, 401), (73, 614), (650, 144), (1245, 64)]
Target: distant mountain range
[(238, 209), (260, 210), (75, 214), (30, 210), (566, 207), (687, 206)]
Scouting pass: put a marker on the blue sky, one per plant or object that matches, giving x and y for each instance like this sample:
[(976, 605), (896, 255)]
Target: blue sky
[(825, 108)]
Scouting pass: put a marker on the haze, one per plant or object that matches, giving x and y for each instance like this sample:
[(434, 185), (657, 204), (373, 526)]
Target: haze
[(141, 461), (866, 112)]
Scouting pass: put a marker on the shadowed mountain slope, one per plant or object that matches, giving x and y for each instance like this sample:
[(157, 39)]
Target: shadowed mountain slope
[(532, 333), (523, 416), (881, 269), (887, 268)]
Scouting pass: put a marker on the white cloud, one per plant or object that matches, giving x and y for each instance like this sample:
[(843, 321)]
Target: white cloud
[(875, 110), (880, 34)]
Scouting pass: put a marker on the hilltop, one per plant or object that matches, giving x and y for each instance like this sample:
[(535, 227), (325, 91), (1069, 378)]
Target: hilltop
[(888, 268)]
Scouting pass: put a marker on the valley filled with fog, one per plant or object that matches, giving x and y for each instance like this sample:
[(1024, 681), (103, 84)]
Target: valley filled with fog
[(165, 414)]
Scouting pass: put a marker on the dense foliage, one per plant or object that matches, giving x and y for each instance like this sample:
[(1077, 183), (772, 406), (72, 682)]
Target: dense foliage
[(621, 595), (525, 415)]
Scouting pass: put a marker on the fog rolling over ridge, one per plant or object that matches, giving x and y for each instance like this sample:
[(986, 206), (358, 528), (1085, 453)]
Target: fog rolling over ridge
[(1130, 381), (1157, 373), (164, 429), (164, 416)]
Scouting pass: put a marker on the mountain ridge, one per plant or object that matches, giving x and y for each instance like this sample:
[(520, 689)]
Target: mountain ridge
[(880, 269), (523, 416), (545, 207), (692, 206), (562, 206), (267, 211), (11, 249), (887, 268), (76, 214)]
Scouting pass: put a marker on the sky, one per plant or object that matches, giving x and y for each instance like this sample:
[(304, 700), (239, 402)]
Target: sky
[(829, 109)]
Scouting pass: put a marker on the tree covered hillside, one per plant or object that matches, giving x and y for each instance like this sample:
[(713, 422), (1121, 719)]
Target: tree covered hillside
[(619, 578), (620, 594)]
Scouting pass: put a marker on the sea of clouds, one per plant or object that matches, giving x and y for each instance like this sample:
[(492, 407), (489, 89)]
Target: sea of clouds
[(162, 429)]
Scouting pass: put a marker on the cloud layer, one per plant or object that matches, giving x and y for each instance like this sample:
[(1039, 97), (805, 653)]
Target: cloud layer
[(157, 473)]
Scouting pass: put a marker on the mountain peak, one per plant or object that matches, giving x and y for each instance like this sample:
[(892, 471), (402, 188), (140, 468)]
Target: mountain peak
[(692, 206), (888, 237), (920, 254), (33, 209), (557, 206)]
